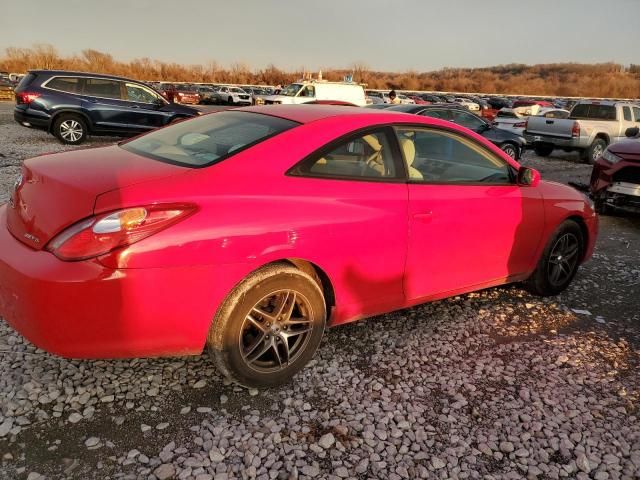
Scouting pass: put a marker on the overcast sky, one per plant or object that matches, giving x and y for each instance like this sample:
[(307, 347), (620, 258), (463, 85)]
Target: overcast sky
[(386, 35)]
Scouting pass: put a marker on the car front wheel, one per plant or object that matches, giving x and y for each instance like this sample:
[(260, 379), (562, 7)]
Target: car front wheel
[(70, 129), (268, 327), (560, 261)]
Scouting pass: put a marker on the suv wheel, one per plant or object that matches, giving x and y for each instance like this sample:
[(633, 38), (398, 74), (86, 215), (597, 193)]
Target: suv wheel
[(230, 100), (70, 129)]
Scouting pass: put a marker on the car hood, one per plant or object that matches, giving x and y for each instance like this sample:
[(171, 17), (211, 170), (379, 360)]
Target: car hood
[(497, 134), (630, 149)]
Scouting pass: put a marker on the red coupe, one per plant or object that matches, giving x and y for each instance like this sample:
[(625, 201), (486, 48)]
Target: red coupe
[(251, 230)]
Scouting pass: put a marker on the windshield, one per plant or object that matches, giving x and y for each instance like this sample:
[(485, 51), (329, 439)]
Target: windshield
[(291, 90), (236, 90), (208, 139)]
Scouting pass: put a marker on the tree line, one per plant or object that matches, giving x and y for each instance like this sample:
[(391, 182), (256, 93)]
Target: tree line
[(563, 79)]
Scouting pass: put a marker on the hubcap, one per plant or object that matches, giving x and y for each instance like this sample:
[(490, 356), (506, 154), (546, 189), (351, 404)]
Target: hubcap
[(276, 331), (563, 259), (71, 130)]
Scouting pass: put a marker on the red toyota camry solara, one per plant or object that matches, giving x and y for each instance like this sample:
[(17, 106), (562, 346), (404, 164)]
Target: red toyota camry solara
[(249, 231)]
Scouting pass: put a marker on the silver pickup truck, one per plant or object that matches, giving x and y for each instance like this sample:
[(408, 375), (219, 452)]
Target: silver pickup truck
[(591, 126)]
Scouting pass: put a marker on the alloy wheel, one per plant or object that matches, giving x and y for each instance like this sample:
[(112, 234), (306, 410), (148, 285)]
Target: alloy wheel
[(71, 130), (563, 259), (597, 151), (509, 150), (276, 331)]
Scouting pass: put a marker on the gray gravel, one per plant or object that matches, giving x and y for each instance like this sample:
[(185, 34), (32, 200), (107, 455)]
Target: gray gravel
[(491, 385)]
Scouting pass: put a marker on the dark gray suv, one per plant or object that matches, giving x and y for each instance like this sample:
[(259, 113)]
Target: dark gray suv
[(72, 105)]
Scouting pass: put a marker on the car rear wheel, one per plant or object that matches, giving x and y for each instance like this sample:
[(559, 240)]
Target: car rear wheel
[(543, 150), (560, 261), (591, 154), (268, 327), (70, 129), (230, 100), (511, 150)]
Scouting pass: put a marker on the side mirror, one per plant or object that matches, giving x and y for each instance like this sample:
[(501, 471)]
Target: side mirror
[(632, 132), (528, 177)]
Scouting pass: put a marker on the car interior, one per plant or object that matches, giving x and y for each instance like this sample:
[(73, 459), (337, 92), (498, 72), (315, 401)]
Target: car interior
[(430, 156)]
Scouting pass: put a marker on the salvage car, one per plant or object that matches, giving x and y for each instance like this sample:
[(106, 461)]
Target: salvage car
[(248, 231), (510, 143), (73, 105), (615, 178)]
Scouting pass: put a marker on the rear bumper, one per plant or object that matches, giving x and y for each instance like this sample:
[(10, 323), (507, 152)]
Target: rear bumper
[(29, 119), (559, 142), (86, 310)]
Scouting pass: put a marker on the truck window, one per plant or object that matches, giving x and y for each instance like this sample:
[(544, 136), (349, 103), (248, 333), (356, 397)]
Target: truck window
[(627, 114), (636, 114), (593, 111)]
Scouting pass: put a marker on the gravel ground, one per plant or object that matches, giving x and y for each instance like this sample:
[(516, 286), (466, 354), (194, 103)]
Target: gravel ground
[(495, 384)]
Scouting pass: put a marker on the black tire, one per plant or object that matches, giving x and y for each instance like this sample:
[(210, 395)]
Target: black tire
[(543, 150), (236, 338), (543, 281), (230, 100), (510, 149), (591, 154), (601, 207), (70, 129)]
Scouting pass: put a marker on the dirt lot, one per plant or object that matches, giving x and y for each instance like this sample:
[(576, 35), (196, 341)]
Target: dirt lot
[(495, 384)]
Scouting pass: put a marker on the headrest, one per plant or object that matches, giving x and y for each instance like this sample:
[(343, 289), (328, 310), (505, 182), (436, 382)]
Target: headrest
[(409, 150)]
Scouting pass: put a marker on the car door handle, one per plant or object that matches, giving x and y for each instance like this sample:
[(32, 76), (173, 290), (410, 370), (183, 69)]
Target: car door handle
[(423, 216)]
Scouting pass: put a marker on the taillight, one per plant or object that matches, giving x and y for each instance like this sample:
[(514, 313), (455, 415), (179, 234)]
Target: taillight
[(575, 130), (520, 125), (26, 97), (99, 235)]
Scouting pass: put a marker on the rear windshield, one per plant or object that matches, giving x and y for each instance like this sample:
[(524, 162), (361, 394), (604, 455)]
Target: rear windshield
[(208, 139), (593, 111), (26, 80)]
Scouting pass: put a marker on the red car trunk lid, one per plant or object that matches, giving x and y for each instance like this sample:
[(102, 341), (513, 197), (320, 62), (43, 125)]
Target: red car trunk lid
[(58, 190)]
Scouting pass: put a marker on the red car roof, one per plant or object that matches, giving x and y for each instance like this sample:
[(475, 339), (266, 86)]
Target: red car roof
[(307, 113)]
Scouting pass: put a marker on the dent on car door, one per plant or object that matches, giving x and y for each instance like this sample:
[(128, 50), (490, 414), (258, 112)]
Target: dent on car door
[(470, 224), (360, 217)]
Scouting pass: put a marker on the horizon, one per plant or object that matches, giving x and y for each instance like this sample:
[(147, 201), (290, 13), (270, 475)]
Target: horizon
[(383, 45)]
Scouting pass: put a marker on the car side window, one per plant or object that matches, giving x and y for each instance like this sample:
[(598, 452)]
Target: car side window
[(140, 94), (65, 84), (103, 88), (468, 120), (308, 91), (367, 155), (636, 114), (626, 111), (435, 113), (437, 156)]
